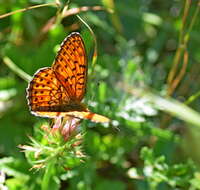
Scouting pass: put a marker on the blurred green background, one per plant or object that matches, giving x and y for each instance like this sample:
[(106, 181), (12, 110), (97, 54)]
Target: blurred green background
[(142, 148)]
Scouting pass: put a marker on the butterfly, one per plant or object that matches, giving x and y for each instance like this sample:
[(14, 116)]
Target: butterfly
[(57, 91)]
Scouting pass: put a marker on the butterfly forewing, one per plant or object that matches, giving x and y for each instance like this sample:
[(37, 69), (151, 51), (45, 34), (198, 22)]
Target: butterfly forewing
[(70, 66)]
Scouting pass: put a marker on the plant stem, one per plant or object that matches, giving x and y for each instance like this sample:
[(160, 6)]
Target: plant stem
[(27, 8), (16, 69), (181, 46), (48, 175)]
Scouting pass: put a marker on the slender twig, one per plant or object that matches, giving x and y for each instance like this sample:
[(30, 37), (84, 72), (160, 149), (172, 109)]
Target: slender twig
[(28, 8), (94, 57), (192, 98), (181, 51), (181, 46), (74, 11), (176, 61), (16, 69), (184, 19), (114, 17), (70, 12), (193, 20), (177, 80)]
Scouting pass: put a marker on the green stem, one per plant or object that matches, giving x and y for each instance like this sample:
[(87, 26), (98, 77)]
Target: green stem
[(185, 15), (169, 105), (192, 98), (16, 69), (94, 58), (186, 38), (29, 8), (48, 175)]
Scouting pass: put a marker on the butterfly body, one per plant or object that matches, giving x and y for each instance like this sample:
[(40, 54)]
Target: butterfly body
[(58, 90)]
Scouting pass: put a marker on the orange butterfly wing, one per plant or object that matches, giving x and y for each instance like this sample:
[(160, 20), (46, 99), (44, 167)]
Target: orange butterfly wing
[(70, 66), (45, 92), (58, 90)]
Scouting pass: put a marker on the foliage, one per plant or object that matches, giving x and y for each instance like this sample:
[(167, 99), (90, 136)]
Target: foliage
[(145, 79)]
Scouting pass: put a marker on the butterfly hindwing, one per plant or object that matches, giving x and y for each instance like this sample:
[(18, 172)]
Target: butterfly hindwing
[(45, 92), (89, 115)]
